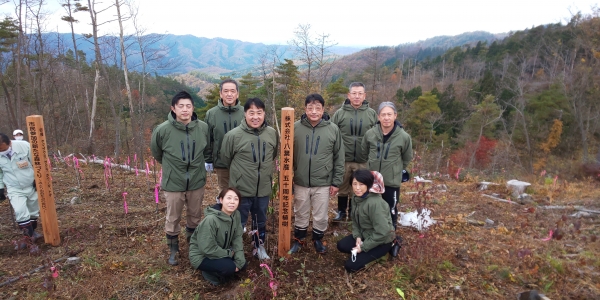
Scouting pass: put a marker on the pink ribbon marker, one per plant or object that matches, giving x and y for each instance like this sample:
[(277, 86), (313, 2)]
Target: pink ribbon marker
[(549, 236), (125, 203), (136, 171), (54, 272), (156, 188), (272, 283), (555, 180), (147, 171)]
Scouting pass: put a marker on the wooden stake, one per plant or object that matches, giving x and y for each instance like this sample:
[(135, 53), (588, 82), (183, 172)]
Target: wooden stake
[(285, 180), (39, 153)]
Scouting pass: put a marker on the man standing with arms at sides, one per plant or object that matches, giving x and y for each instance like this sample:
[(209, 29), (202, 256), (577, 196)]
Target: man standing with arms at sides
[(17, 178), (180, 145), (354, 118), (220, 119), (318, 171), (249, 151)]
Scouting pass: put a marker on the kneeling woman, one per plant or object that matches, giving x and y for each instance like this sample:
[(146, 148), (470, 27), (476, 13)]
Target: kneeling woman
[(216, 247), (372, 229)]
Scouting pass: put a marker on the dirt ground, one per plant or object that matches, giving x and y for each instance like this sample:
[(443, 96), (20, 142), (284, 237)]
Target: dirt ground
[(125, 256)]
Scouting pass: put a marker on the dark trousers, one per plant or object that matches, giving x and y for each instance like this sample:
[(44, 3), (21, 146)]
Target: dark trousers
[(344, 203), (346, 244), (391, 196), (257, 206), (221, 267)]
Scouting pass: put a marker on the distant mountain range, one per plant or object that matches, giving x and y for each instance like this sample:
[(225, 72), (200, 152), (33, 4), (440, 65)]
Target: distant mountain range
[(220, 56)]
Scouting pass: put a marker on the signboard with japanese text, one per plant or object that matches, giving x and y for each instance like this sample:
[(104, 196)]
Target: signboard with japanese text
[(286, 180), (43, 182)]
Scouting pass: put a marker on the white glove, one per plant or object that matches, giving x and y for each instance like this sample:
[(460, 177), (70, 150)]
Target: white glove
[(209, 167)]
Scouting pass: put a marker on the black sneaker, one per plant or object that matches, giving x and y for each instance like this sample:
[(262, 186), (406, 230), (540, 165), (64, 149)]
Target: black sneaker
[(212, 278), (397, 244)]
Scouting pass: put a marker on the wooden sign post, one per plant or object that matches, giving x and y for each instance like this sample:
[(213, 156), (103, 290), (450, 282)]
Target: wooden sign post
[(285, 181), (43, 183)]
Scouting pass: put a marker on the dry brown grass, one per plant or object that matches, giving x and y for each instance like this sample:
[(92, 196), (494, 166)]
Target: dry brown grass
[(125, 258)]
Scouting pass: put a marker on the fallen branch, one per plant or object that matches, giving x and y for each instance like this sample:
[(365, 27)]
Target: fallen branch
[(14, 279), (578, 208), (500, 200), (113, 165)]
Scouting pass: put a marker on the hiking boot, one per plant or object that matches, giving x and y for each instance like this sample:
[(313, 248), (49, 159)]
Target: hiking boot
[(298, 243), (188, 234), (320, 247), (36, 236), (211, 277), (340, 216), (173, 244), (397, 244)]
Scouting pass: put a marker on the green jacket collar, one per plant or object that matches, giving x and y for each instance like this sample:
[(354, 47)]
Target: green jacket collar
[(324, 120), (237, 106), (244, 126), (349, 107), (217, 212), (173, 120)]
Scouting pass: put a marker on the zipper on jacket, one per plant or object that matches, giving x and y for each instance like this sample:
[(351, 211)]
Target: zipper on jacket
[(387, 150), (378, 148), (317, 146), (264, 150), (310, 156), (307, 138), (229, 112), (253, 152), (193, 149), (360, 128), (230, 230), (234, 123), (351, 127), (182, 151), (225, 126), (225, 242), (258, 180), (187, 170)]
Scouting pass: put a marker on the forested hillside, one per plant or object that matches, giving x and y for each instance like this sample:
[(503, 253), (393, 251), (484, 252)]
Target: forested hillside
[(526, 102)]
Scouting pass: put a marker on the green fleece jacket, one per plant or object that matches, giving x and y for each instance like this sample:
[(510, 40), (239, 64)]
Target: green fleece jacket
[(388, 158), (220, 120), (181, 149), (16, 173), (218, 236), (353, 124), (318, 153), (371, 221), (249, 153)]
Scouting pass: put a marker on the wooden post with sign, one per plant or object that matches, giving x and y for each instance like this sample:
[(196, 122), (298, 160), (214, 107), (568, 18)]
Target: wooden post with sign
[(43, 183), (286, 180)]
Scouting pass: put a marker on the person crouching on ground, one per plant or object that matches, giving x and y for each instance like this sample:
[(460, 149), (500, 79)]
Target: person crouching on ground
[(216, 246), (372, 229)]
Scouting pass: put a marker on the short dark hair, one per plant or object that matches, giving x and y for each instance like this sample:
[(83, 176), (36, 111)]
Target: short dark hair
[(227, 189), (4, 139), (357, 84), (365, 177), (181, 95), (314, 97), (254, 101), (228, 80)]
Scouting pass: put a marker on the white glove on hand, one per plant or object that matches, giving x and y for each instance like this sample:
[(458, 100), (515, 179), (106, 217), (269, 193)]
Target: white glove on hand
[(209, 167)]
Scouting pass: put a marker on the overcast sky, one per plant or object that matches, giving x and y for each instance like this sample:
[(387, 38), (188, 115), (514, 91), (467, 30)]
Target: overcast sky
[(349, 23)]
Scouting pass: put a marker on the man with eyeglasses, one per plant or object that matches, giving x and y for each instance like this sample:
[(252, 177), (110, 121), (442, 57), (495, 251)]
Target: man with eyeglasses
[(354, 118), (224, 117), (318, 171)]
